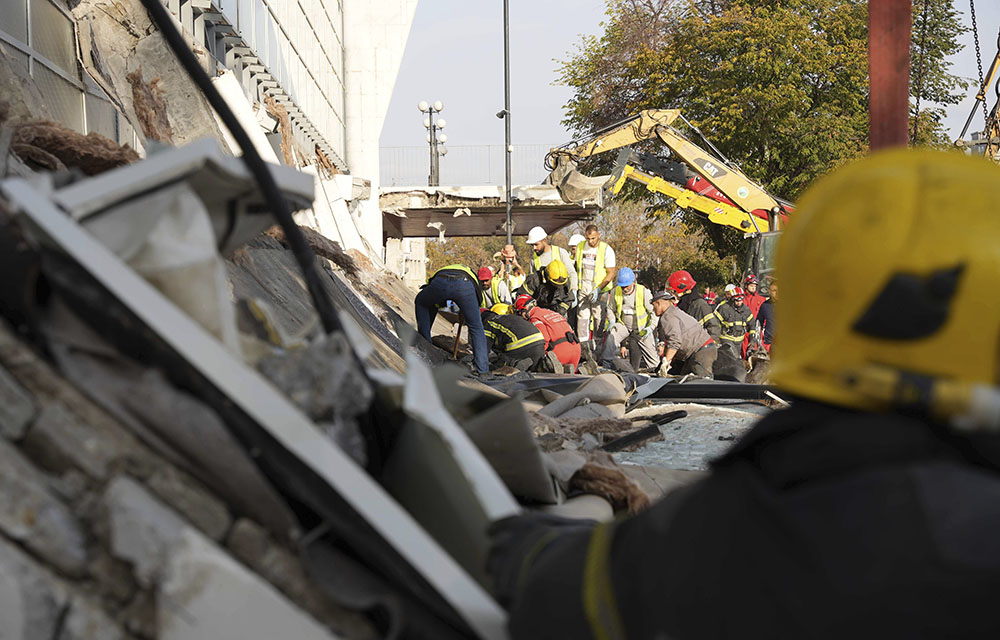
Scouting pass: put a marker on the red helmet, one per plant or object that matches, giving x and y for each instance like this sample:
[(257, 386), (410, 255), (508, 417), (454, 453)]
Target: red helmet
[(524, 302), (738, 292), (710, 297), (485, 273), (750, 279), (680, 282)]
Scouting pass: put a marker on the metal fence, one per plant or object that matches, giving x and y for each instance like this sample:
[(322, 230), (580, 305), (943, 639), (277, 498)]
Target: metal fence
[(464, 165)]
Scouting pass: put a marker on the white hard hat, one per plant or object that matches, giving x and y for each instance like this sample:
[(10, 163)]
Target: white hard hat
[(537, 234), (575, 240), (730, 288)]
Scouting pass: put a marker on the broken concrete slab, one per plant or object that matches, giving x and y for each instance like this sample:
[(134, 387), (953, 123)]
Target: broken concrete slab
[(181, 493), (202, 589), (31, 598), (32, 514), (60, 441), (86, 621), (17, 408), (141, 529)]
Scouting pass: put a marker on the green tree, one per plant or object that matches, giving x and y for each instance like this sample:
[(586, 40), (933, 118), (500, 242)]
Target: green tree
[(779, 86)]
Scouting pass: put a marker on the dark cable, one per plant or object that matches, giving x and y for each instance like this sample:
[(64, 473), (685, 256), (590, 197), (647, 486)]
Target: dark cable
[(258, 168)]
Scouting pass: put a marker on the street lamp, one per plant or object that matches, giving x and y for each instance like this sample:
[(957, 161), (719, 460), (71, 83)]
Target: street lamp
[(434, 139)]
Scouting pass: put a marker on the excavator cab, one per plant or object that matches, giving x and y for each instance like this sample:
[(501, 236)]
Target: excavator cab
[(761, 257)]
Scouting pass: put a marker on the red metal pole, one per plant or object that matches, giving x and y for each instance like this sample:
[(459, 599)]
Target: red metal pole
[(889, 72)]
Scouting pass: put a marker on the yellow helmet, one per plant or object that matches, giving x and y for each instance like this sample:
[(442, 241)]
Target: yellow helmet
[(557, 272), (883, 271), (501, 308)]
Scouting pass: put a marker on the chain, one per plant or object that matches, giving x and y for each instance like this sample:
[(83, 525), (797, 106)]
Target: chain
[(920, 70), (979, 60)]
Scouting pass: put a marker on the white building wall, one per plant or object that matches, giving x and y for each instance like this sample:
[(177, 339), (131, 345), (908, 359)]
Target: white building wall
[(375, 34)]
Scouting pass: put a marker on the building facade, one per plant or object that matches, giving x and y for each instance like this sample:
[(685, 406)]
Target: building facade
[(329, 66)]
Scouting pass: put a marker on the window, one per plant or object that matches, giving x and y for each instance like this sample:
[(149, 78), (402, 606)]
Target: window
[(39, 35)]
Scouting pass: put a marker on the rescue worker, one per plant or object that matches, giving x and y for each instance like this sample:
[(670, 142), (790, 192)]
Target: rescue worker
[(682, 285), (457, 283), (516, 342), (765, 318), (493, 287), (752, 299), (550, 288), (683, 344), (544, 253), (737, 322), (595, 277), (559, 336), (867, 509), (630, 312), (710, 297)]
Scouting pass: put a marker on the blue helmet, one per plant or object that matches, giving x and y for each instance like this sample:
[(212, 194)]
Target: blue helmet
[(625, 277)]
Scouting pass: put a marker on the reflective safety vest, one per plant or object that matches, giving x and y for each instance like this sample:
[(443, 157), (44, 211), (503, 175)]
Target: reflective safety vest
[(496, 330), (641, 315), (555, 251), (600, 271), (472, 277)]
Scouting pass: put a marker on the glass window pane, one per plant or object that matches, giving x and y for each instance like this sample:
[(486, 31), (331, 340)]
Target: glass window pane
[(101, 117), (14, 18), (62, 98), (18, 57), (52, 35)]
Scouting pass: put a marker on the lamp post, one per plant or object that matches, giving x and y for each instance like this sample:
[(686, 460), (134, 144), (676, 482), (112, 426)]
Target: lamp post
[(505, 114), (434, 139)]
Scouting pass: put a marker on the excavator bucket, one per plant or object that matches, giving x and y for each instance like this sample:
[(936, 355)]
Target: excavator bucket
[(575, 187)]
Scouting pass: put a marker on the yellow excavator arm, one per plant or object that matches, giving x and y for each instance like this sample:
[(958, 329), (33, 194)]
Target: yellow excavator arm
[(747, 195)]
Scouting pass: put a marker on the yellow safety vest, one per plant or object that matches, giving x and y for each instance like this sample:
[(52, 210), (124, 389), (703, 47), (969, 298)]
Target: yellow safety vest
[(641, 315), (472, 276), (600, 272), (537, 259), (495, 289)]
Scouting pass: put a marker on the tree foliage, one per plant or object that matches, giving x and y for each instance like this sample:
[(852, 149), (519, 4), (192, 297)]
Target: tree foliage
[(779, 86)]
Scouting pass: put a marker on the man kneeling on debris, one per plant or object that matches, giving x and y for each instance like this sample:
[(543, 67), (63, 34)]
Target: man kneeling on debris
[(629, 313), (682, 341), (560, 340), (517, 342), (871, 507), (459, 284)]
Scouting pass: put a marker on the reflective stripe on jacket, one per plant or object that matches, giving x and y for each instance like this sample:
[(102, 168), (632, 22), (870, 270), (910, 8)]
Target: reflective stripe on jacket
[(736, 322), (641, 314), (507, 333)]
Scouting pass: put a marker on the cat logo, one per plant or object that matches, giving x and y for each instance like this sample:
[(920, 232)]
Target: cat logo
[(711, 169)]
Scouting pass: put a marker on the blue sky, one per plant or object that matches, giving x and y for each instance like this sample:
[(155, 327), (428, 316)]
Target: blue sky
[(455, 54)]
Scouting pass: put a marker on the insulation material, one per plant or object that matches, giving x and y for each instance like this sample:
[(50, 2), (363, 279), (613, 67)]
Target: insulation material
[(167, 238), (54, 146), (279, 112), (150, 106), (611, 484), (321, 246), (116, 40)]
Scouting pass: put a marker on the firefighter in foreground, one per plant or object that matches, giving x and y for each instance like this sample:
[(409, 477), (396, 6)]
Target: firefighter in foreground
[(516, 342), (683, 344), (871, 507)]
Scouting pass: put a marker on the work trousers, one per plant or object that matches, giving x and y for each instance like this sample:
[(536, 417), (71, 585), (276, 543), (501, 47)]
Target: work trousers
[(699, 363), (588, 314), (618, 337), (525, 358), (462, 292), (568, 353)]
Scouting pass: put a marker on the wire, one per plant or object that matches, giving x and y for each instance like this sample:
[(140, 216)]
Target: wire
[(255, 164)]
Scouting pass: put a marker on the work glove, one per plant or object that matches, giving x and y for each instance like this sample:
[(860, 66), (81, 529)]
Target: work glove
[(518, 541), (594, 296)]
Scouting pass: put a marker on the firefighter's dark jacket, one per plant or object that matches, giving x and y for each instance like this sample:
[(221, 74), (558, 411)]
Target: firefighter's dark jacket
[(699, 309), (509, 332), (819, 523)]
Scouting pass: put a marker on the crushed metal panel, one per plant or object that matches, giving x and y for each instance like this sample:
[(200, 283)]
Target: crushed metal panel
[(271, 411)]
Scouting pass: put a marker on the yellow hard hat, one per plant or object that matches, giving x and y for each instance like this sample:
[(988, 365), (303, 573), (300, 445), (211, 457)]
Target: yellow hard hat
[(557, 272), (883, 271), (501, 308)]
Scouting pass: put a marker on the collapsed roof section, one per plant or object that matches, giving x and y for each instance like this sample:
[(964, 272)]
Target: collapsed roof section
[(414, 212)]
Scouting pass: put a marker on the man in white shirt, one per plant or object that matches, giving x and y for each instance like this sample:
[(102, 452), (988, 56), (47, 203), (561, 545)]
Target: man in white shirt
[(595, 269)]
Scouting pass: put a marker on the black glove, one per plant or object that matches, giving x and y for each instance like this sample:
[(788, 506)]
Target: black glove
[(518, 541)]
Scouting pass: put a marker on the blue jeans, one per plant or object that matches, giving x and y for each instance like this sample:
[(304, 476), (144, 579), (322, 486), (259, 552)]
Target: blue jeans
[(463, 293)]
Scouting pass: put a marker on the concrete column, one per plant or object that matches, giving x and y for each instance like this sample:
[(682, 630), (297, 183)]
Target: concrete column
[(375, 34)]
